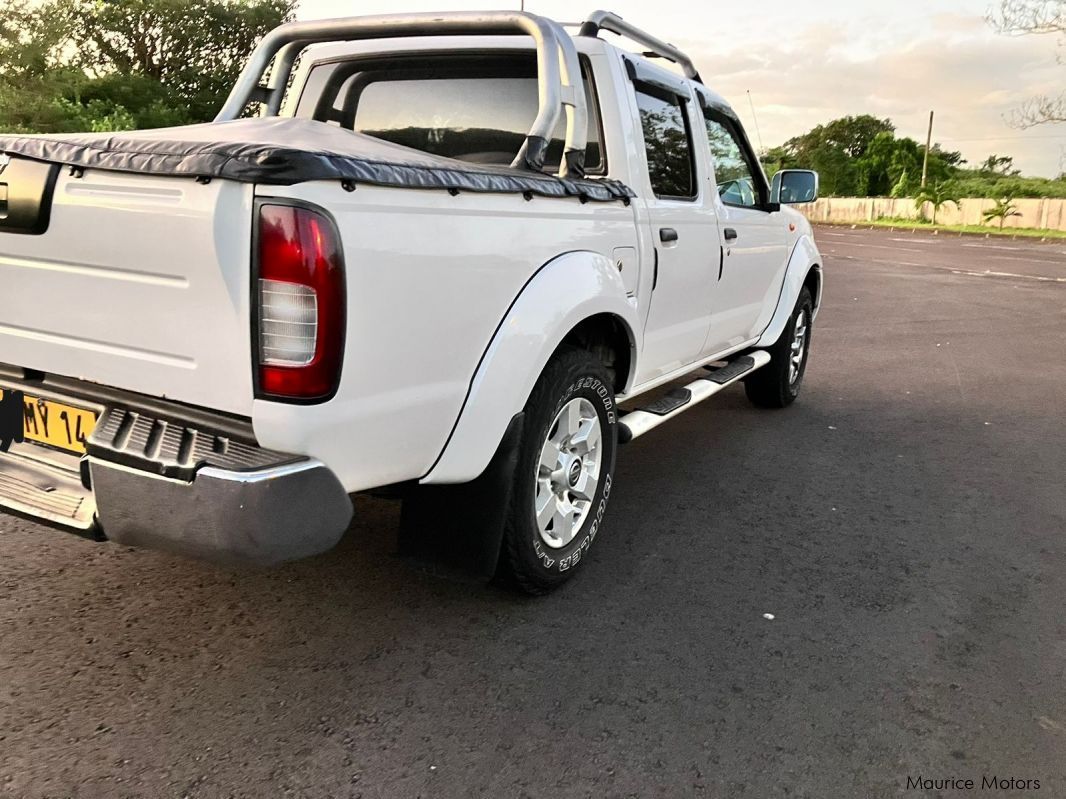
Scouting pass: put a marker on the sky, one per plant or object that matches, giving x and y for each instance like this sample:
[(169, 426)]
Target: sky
[(805, 63)]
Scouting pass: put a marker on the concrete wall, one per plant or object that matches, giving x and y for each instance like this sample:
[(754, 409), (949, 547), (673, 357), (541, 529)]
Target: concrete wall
[(1044, 214)]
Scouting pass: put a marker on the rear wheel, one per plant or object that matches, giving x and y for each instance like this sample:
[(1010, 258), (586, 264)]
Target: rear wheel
[(563, 479), (778, 383)]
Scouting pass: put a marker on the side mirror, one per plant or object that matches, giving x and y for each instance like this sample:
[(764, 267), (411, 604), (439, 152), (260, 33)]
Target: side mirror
[(790, 186)]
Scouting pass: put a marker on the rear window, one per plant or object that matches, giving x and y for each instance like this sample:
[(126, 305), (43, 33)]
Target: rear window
[(472, 108), (668, 143)]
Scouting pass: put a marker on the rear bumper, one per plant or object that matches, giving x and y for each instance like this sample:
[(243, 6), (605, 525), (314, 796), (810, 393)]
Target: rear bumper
[(265, 516), (165, 476)]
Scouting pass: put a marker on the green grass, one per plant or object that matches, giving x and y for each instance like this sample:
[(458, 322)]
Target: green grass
[(918, 224)]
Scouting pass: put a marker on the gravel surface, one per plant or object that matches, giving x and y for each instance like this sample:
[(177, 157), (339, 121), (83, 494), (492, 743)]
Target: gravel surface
[(904, 524)]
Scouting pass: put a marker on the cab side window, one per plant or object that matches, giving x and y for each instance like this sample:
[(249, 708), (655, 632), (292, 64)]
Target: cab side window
[(668, 143), (733, 171)]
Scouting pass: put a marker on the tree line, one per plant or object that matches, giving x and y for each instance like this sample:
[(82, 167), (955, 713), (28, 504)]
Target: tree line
[(102, 65), (861, 156)]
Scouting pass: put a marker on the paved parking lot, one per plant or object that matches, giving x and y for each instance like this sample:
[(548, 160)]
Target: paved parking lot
[(904, 523)]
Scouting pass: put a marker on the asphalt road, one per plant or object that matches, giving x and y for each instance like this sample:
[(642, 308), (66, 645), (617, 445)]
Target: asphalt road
[(904, 523)]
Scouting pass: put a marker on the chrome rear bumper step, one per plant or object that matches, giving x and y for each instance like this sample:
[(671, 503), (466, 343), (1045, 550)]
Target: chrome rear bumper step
[(174, 448), (638, 422), (37, 489)]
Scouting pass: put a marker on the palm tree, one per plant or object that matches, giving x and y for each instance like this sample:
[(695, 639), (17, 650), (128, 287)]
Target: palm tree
[(938, 195), (1001, 210), (900, 187)]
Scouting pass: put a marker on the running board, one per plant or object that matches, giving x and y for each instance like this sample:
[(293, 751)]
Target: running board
[(636, 423)]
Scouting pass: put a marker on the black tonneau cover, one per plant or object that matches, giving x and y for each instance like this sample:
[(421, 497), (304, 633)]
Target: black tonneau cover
[(283, 151)]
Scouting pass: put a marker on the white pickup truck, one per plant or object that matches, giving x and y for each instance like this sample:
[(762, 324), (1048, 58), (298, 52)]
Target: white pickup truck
[(453, 257)]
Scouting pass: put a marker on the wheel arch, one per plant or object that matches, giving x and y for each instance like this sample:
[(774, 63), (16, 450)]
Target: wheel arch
[(576, 299), (608, 337), (813, 283), (804, 269)]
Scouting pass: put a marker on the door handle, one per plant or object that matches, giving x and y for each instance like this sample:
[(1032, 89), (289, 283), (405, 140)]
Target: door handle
[(730, 234), (667, 234)]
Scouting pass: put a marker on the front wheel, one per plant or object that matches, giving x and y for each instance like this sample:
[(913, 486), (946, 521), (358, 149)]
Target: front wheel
[(563, 478), (778, 383)]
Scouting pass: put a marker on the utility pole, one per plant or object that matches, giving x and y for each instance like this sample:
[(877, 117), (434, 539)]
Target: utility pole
[(928, 144)]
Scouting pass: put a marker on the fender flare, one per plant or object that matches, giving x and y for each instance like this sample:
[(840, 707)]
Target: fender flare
[(804, 258), (561, 294)]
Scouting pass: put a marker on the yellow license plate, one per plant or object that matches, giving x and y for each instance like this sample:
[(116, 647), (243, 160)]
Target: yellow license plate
[(55, 424)]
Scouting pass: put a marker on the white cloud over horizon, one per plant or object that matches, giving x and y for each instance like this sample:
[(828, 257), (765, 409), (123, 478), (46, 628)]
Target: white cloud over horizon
[(808, 63)]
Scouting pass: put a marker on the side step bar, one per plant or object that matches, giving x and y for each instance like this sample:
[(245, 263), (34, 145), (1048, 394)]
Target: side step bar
[(636, 423)]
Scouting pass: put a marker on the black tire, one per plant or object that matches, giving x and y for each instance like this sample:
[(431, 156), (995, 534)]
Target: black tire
[(773, 385), (527, 562)]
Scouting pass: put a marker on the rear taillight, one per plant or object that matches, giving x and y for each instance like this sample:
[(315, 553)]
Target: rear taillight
[(300, 291)]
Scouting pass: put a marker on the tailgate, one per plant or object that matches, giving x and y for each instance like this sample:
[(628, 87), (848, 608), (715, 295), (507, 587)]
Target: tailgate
[(138, 282)]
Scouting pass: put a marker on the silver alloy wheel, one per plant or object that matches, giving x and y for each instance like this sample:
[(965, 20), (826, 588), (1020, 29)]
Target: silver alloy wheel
[(799, 348), (568, 472)]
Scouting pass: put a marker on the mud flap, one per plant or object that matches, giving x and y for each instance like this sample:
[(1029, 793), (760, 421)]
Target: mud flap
[(461, 526)]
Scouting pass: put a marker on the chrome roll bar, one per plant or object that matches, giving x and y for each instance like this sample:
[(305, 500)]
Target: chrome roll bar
[(573, 99), (559, 84)]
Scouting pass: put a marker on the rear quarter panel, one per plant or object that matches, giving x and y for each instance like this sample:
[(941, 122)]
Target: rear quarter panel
[(430, 277)]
